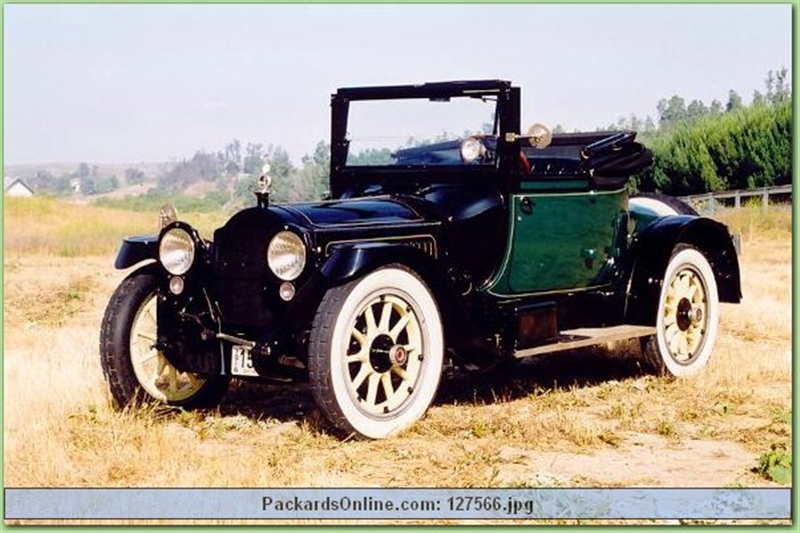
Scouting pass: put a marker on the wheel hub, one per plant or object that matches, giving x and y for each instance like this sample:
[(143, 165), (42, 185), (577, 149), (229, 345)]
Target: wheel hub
[(384, 354), (398, 355), (685, 315), (380, 353)]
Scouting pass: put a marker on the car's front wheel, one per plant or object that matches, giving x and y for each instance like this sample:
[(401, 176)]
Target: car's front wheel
[(376, 353), (135, 370), (688, 316)]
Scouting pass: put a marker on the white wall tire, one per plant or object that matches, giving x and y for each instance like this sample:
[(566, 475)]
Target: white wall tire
[(687, 317), (376, 353)]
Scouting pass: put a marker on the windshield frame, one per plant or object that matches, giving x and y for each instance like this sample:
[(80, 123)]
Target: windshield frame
[(507, 118)]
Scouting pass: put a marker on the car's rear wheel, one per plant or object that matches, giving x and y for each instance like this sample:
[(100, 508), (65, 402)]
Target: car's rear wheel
[(135, 370), (688, 316), (376, 353)]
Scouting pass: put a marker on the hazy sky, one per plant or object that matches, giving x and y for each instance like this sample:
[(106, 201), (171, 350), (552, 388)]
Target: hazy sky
[(130, 83)]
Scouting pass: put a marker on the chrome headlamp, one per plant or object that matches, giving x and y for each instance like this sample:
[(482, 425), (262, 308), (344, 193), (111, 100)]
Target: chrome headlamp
[(176, 251), (286, 255), (472, 149)]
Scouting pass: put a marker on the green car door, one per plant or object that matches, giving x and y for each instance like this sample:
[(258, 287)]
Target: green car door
[(565, 237)]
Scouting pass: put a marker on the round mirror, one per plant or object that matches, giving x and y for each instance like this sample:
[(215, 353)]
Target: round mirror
[(539, 136)]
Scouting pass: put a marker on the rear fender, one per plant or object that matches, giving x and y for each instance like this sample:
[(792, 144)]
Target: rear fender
[(654, 249), (137, 249)]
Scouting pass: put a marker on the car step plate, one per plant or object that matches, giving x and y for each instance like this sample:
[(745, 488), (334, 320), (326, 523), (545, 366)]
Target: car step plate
[(242, 362), (580, 338)]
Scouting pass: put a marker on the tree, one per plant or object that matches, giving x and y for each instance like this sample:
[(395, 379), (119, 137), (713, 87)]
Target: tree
[(671, 111), (83, 171), (316, 170), (696, 110), (134, 176), (734, 101), (280, 171), (253, 159), (232, 158), (777, 89)]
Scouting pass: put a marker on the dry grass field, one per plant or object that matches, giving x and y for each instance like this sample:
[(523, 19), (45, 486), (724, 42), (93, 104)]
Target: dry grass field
[(585, 418)]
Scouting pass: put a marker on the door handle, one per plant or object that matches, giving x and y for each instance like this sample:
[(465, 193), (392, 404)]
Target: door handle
[(526, 205)]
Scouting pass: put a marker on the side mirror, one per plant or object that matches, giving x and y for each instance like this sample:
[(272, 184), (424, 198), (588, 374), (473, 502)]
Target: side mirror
[(539, 136)]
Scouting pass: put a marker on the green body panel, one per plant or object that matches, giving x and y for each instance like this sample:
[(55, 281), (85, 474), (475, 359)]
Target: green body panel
[(574, 184), (562, 241)]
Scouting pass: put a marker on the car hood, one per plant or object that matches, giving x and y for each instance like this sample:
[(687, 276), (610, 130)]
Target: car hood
[(378, 210)]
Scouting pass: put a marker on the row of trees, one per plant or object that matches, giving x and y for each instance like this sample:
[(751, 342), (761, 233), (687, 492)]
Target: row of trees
[(700, 149), (744, 150), (697, 148), (674, 111), (85, 179)]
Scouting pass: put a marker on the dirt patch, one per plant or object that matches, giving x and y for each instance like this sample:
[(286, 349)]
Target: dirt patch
[(640, 460)]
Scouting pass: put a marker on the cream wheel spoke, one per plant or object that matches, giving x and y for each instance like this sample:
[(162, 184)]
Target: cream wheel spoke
[(672, 337), (145, 336), (193, 381), (363, 372), (162, 364), (372, 389), (369, 316), (359, 337), (400, 326), (684, 346), (172, 379), (386, 314), (359, 357), (388, 389), (146, 355), (400, 372)]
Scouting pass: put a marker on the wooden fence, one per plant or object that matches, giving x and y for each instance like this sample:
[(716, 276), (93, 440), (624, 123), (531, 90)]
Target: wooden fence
[(707, 203)]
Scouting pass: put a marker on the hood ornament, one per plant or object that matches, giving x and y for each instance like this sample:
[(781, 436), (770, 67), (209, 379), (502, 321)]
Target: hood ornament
[(167, 214), (262, 187)]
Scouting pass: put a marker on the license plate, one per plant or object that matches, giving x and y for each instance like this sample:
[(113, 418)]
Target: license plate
[(242, 362)]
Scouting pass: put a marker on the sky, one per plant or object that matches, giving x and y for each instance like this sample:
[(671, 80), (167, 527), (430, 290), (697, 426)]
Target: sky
[(150, 83)]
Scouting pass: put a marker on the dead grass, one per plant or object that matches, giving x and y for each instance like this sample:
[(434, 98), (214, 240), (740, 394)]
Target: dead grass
[(45, 226), (587, 418)]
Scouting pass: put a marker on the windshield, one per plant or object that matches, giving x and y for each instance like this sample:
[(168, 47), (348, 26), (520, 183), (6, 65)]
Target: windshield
[(415, 131)]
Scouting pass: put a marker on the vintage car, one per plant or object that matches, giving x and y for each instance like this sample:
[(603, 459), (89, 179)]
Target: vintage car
[(469, 248)]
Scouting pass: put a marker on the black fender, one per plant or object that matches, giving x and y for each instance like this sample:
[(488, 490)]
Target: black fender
[(653, 250), (136, 249), (350, 261)]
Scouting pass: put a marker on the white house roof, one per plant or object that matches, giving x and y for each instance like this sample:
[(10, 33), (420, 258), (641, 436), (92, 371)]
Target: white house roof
[(9, 182)]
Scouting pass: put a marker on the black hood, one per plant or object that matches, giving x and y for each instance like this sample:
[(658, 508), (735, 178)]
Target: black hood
[(376, 211)]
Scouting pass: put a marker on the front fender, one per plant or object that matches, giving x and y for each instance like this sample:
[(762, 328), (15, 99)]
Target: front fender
[(653, 252), (136, 249), (349, 261)]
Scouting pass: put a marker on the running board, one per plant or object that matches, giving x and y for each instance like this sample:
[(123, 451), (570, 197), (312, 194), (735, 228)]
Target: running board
[(580, 338)]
